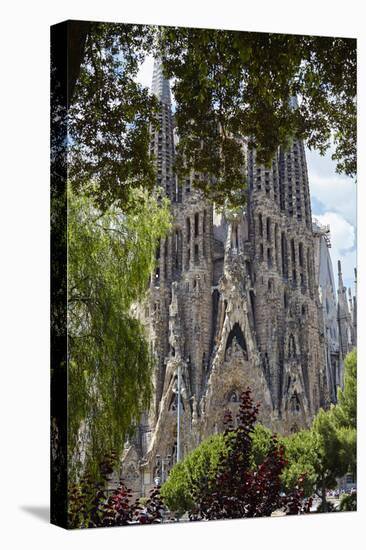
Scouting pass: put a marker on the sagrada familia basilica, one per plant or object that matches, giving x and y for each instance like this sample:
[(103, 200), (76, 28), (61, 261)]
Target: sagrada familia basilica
[(237, 299)]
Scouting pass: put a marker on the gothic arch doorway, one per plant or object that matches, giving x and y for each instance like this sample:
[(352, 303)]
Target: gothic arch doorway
[(236, 335)]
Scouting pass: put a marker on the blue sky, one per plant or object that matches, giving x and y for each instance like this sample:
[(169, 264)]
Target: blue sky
[(333, 199), (333, 202)]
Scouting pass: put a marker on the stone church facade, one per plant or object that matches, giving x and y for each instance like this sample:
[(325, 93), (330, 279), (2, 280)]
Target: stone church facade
[(237, 299)]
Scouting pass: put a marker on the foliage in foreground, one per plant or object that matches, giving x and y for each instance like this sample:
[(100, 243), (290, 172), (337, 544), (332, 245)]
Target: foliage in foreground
[(110, 112), (324, 453), (237, 487), (110, 258), (221, 479), (345, 412), (89, 506), (348, 503), (246, 472), (233, 83), (328, 450), (317, 456), (198, 468), (228, 85), (201, 466)]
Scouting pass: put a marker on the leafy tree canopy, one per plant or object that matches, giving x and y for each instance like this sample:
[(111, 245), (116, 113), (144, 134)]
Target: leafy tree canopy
[(110, 257), (346, 410), (303, 459), (229, 86), (232, 84), (199, 467), (110, 114), (328, 450), (234, 474), (318, 456), (202, 464)]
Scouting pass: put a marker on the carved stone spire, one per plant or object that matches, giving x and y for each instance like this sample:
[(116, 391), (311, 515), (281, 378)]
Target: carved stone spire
[(162, 139), (340, 277), (344, 320), (355, 310), (160, 85)]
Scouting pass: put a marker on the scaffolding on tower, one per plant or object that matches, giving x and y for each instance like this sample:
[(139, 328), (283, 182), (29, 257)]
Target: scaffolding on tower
[(322, 231)]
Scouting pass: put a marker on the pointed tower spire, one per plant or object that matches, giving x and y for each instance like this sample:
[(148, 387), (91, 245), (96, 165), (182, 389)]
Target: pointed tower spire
[(350, 301), (160, 85), (344, 317), (355, 311), (340, 278), (162, 137), (355, 271)]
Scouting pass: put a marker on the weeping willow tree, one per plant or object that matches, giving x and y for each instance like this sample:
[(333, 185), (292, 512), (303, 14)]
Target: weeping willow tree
[(110, 258)]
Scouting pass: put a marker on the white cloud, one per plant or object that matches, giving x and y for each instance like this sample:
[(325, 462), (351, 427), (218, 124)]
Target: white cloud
[(144, 75), (342, 235), (336, 194), (342, 232)]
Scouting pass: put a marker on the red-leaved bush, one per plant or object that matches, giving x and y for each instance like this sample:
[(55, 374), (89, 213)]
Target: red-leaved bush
[(90, 507), (239, 490)]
